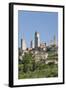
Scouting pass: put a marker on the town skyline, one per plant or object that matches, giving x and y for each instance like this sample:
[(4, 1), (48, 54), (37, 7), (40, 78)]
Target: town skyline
[(45, 27), (36, 42)]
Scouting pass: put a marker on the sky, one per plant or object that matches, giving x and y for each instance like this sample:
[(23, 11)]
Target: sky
[(46, 23)]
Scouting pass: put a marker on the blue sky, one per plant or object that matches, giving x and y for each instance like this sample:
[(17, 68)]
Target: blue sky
[(46, 23)]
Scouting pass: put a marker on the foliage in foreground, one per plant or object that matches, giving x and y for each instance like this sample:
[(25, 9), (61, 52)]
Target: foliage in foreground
[(28, 68), (40, 72)]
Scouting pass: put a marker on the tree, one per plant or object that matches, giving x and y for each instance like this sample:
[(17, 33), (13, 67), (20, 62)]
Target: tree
[(27, 60), (33, 65)]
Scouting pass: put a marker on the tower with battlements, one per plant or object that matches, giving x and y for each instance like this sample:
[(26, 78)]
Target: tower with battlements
[(32, 43), (23, 43), (37, 39)]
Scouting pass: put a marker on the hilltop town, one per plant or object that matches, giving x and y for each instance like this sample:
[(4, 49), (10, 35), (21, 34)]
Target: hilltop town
[(40, 50), (40, 60)]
